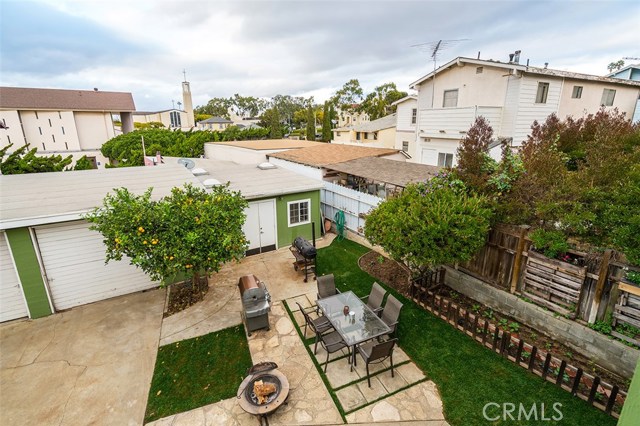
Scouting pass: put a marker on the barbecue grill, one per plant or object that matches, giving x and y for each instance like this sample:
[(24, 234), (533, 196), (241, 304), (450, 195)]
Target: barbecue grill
[(305, 255), (256, 303)]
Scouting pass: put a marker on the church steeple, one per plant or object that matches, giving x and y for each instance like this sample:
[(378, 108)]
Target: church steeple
[(187, 101)]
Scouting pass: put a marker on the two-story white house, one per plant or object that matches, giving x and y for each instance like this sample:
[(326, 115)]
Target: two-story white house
[(380, 133), (406, 122), (351, 117), (64, 122), (510, 96)]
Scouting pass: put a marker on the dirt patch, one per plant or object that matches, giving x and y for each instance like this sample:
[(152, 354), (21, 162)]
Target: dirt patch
[(184, 294), (391, 273), (386, 270)]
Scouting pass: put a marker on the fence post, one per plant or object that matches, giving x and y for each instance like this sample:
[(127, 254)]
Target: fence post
[(517, 261), (602, 279)]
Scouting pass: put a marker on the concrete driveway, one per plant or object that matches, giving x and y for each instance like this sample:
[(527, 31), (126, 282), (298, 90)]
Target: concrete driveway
[(90, 365)]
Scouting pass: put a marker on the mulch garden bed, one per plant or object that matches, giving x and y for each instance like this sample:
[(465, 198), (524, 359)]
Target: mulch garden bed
[(397, 277), (184, 294)]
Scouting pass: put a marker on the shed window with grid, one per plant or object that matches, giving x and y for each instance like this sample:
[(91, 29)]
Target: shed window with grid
[(298, 212), (608, 95), (543, 91), (450, 98)]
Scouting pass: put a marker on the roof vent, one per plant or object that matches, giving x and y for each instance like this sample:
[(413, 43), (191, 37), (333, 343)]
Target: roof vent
[(199, 172), (266, 166), (210, 183)]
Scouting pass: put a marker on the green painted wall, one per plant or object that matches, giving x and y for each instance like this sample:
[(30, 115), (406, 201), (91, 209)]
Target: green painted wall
[(631, 410), (287, 234), (28, 267)]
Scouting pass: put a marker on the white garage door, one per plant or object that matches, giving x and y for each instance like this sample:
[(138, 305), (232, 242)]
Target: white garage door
[(12, 305), (73, 258)]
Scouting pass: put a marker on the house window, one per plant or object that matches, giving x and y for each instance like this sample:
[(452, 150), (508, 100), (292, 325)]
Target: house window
[(445, 160), (366, 136), (414, 115), (577, 92), (608, 95), (543, 91), (338, 134), (298, 212), (375, 136), (357, 136), (450, 99), (174, 117), (405, 146), (479, 70)]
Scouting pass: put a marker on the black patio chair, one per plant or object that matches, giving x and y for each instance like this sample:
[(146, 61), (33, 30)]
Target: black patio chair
[(373, 352), (318, 325), (332, 342), (375, 298)]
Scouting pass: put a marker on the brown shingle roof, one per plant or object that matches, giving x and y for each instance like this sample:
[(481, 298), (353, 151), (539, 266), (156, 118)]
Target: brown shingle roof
[(58, 99), (328, 153), (272, 144), (398, 173)]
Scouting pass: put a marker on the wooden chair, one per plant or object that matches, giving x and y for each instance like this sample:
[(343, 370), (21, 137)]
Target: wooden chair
[(318, 325), (373, 352), (375, 298)]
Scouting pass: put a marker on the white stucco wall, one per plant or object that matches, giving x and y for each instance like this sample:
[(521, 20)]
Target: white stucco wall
[(308, 171), (589, 103), (220, 151)]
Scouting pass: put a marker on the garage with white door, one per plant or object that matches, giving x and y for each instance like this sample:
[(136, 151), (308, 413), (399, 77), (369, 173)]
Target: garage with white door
[(73, 258), (260, 226), (12, 303)]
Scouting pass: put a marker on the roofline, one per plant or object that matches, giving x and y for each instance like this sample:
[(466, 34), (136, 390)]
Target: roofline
[(406, 98), (285, 192), (42, 220), (636, 66), (524, 69)]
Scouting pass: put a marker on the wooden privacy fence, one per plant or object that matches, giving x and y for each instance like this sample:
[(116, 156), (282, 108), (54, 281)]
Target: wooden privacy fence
[(354, 204), (586, 292), (607, 397), (627, 310)]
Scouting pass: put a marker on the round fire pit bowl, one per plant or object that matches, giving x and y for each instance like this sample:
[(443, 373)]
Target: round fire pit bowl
[(248, 400)]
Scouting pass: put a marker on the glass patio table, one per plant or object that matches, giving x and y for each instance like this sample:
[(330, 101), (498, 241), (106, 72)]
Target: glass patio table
[(360, 325)]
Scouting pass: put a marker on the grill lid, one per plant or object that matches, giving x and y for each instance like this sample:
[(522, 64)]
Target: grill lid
[(305, 248)]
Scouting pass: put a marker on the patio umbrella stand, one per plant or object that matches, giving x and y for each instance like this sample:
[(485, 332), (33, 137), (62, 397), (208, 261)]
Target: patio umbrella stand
[(268, 374)]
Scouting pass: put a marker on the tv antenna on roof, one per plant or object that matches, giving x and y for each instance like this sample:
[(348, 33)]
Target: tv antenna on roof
[(434, 48)]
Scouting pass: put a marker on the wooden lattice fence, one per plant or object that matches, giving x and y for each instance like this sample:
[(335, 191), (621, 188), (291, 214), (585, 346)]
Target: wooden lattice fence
[(553, 284)]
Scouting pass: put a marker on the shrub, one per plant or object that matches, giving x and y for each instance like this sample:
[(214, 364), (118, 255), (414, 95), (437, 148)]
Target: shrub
[(550, 243)]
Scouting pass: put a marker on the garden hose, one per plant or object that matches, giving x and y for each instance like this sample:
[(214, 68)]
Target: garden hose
[(339, 219)]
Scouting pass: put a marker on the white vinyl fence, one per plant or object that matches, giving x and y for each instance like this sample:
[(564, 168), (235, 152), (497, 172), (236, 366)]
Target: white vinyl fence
[(353, 203)]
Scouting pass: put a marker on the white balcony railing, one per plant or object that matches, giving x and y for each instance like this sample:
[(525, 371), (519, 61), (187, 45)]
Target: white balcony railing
[(453, 123)]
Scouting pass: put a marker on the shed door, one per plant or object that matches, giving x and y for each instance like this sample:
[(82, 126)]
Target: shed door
[(73, 257), (260, 226), (12, 304)]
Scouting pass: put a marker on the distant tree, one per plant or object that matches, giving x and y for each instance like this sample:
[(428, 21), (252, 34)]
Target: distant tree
[(192, 231), (326, 123), (22, 162), (615, 66), (287, 107), (474, 164), (216, 107), (378, 103), (349, 96), (311, 124), (247, 106), (201, 117), (271, 120), (430, 224), (83, 163)]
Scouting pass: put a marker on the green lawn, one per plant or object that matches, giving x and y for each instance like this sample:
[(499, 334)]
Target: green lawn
[(197, 372), (468, 376)]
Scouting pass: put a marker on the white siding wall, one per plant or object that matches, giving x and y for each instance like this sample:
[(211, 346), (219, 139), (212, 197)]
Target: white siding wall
[(456, 121), (529, 110), (589, 103), (510, 110), (428, 151), (403, 115), (308, 171)]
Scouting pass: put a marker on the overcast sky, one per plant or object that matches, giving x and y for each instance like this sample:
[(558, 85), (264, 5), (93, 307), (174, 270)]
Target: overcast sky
[(299, 48)]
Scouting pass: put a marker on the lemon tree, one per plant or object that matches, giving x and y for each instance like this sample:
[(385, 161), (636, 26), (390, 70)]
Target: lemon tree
[(190, 232)]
